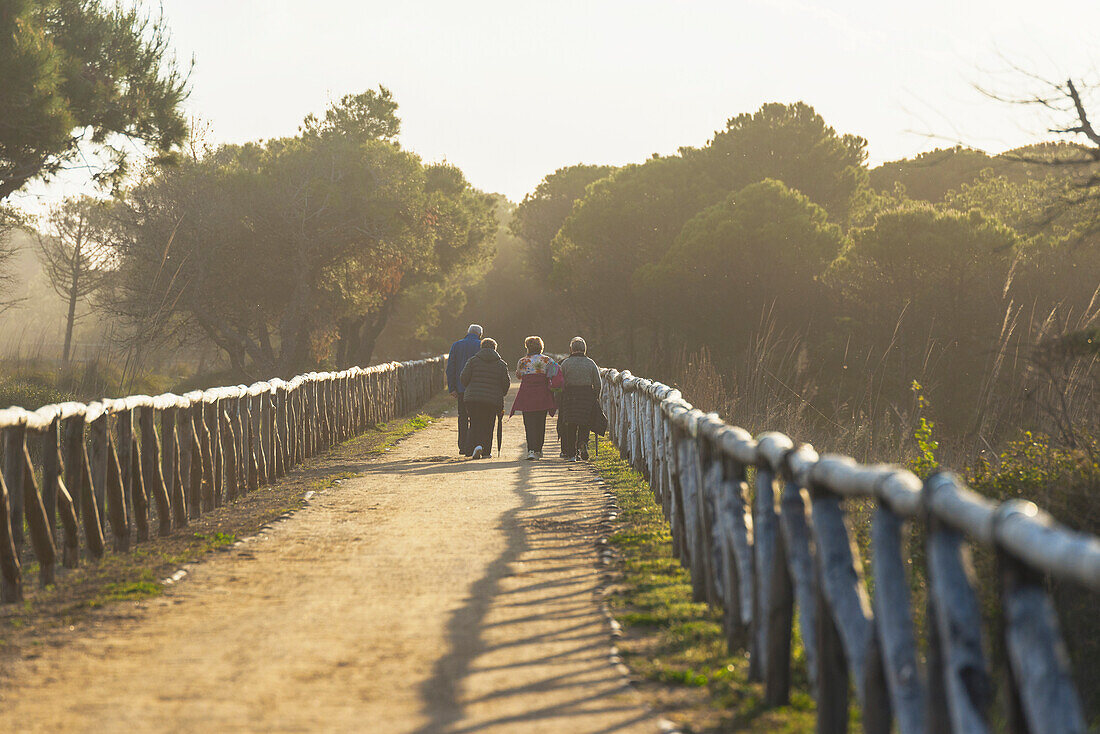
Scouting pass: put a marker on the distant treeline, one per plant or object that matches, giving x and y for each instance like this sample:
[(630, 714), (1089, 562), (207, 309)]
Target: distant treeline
[(776, 255)]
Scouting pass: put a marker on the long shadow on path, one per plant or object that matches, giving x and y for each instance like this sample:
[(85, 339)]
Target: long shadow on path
[(528, 649), (441, 691)]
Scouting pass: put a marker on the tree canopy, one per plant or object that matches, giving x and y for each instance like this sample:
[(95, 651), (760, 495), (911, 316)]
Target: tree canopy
[(293, 252), (790, 143), (80, 75), (540, 215), (762, 248)]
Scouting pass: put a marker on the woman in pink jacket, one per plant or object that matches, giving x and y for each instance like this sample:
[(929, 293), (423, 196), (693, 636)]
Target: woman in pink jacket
[(534, 399)]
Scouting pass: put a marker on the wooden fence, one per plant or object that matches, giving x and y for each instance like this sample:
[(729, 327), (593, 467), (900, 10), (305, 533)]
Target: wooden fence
[(791, 549), (120, 467)]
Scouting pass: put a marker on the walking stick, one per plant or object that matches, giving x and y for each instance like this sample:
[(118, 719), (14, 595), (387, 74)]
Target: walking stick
[(500, 430)]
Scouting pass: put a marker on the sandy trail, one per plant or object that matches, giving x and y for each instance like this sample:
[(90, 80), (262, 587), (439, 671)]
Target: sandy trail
[(426, 594)]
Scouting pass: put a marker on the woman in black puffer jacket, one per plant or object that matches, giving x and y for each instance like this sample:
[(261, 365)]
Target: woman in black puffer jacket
[(486, 382)]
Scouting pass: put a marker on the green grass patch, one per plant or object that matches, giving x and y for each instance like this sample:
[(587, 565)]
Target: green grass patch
[(216, 540), (130, 591), (677, 646)]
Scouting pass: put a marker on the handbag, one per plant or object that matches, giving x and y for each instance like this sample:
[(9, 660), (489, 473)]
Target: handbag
[(557, 382)]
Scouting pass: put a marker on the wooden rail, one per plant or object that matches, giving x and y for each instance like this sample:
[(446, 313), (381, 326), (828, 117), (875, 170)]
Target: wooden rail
[(789, 547), (105, 471)]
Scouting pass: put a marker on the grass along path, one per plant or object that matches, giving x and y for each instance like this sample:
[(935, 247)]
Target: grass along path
[(672, 645), (90, 590)]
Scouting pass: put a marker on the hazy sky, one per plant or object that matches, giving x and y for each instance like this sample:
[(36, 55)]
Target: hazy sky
[(510, 91)]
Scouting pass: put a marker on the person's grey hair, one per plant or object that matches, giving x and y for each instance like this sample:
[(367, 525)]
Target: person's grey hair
[(475, 329), (577, 345), (488, 343)]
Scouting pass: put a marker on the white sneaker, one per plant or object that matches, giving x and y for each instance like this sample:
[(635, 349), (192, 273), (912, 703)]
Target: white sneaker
[(478, 452), (530, 455)]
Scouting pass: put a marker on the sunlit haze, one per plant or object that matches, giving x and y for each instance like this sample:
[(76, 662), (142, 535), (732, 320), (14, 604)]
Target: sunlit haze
[(512, 91)]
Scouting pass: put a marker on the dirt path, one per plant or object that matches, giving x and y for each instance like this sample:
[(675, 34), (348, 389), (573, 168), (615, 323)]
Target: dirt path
[(425, 595)]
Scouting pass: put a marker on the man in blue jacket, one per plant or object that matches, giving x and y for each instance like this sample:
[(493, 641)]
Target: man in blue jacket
[(461, 351)]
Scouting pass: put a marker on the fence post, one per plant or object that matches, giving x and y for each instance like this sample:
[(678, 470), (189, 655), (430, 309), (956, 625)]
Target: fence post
[(50, 445), (123, 445), (116, 499), (137, 488), (1038, 674), (249, 430), (846, 607), (91, 516), (894, 622), (170, 469), (259, 445), (240, 434), (268, 397), (152, 467), (229, 451), (281, 433), (13, 477), (205, 455), (41, 537), (737, 522), (11, 575), (766, 540), (794, 525), (72, 453), (97, 433), (960, 689), (55, 488)]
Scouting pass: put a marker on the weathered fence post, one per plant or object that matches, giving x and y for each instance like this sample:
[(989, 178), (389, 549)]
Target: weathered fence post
[(202, 461), (960, 689), (116, 499), (97, 434), (123, 446), (1038, 673), (269, 432), (91, 516), (281, 432), (249, 428), (170, 466), (50, 445), (229, 451), (11, 575), (13, 477), (54, 488), (141, 499), (72, 454)]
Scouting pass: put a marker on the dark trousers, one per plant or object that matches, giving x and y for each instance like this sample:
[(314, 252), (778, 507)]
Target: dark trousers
[(464, 446), (574, 438), (534, 424), (483, 417)]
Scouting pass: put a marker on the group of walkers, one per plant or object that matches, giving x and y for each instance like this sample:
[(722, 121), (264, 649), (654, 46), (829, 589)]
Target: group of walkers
[(478, 378)]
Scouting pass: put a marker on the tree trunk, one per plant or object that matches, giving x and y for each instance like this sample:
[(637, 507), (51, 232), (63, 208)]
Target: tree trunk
[(74, 294), (348, 343), (372, 329), (69, 321)]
